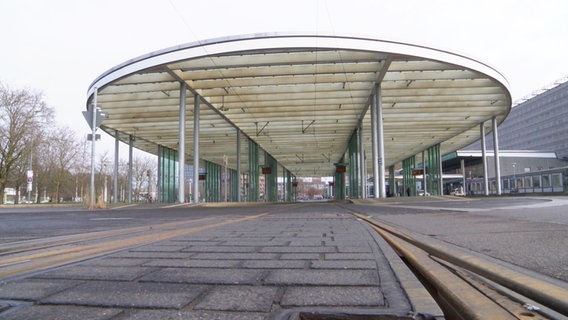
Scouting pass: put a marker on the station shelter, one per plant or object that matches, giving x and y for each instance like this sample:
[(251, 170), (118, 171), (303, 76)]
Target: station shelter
[(242, 113)]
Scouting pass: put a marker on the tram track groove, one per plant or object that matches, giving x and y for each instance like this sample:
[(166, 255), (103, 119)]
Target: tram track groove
[(40, 257), (419, 251)]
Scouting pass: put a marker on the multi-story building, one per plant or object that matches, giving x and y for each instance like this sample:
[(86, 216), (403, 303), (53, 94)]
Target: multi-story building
[(534, 144)]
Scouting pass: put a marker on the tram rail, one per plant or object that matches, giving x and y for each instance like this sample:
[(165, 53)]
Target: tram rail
[(22, 257), (467, 286)]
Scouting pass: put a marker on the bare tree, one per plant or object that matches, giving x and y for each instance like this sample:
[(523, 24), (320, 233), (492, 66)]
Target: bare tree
[(140, 178), (63, 151), (23, 114)]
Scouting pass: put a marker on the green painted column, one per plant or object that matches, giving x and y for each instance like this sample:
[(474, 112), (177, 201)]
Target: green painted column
[(353, 169), (167, 163), (392, 183), (212, 182), (288, 186), (339, 182), (271, 179), (434, 175), (235, 181), (408, 180), (253, 191)]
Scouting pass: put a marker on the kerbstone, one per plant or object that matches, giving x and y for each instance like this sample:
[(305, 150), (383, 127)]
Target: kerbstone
[(33, 289), (96, 273), (322, 277), (55, 313), (344, 264), (193, 263), (128, 295), (332, 296), (205, 275), (238, 298), (190, 315)]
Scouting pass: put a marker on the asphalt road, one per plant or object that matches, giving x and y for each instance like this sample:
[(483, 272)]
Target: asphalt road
[(25, 223)]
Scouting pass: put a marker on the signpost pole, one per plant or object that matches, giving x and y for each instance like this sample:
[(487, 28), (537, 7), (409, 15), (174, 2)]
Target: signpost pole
[(94, 129)]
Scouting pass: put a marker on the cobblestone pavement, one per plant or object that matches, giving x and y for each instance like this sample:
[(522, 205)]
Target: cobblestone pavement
[(304, 259)]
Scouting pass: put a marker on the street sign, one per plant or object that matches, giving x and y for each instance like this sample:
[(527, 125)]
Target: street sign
[(90, 136), (30, 180), (99, 116)]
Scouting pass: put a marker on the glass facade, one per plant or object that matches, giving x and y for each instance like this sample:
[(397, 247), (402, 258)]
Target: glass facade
[(167, 174)]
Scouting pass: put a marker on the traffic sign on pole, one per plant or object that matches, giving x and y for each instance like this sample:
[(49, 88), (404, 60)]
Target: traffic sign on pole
[(99, 116)]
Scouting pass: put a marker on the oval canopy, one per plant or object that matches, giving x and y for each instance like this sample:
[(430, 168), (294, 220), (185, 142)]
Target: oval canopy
[(301, 98)]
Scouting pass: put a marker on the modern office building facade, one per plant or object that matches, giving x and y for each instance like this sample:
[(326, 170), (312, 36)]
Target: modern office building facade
[(534, 130), (539, 123)]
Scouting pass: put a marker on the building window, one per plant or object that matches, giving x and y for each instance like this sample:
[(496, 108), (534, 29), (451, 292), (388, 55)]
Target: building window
[(528, 182), (536, 181), (546, 181), (557, 180)]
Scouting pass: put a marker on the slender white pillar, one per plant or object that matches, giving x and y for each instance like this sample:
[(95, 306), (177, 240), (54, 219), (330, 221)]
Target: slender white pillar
[(496, 156), (441, 168), (196, 104), (130, 148), (362, 168), (462, 163), (380, 141), (115, 177), (181, 146), (92, 192), (374, 144), (424, 175), (239, 190), (484, 159)]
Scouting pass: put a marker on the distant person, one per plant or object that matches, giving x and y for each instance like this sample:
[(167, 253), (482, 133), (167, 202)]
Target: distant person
[(408, 192)]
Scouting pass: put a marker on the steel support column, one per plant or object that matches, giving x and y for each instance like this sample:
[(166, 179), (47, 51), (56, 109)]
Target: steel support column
[(462, 163), (424, 175), (484, 159), (374, 144), (115, 177), (253, 172), (392, 182), (339, 184), (496, 155), (181, 145), (237, 184), (196, 107), (380, 139), (271, 179), (408, 179), (130, 148), (288, 186), (353, 168), (362, 166)]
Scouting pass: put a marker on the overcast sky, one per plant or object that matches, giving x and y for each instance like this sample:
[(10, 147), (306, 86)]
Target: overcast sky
[(59, 47)]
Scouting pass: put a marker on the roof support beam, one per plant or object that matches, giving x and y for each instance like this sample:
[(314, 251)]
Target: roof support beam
[(181, 146), (496, 156), (380, 141), (196, 105), (374, 146), (484, 158)]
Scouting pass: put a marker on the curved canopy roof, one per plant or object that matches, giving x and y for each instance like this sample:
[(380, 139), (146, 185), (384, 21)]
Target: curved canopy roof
[(300, 97)]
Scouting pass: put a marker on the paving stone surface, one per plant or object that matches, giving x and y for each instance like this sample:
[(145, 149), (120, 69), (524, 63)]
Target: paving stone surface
[(273, 267), (59, 313), (128, 295)]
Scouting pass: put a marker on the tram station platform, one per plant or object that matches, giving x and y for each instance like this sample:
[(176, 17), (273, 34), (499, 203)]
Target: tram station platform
[(299, 262)]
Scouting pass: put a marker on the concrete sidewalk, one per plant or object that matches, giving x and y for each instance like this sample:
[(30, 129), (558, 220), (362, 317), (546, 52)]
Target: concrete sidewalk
[(303, 260)]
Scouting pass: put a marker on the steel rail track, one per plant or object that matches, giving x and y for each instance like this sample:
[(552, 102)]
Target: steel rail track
[(25, 258), (467, 286)]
